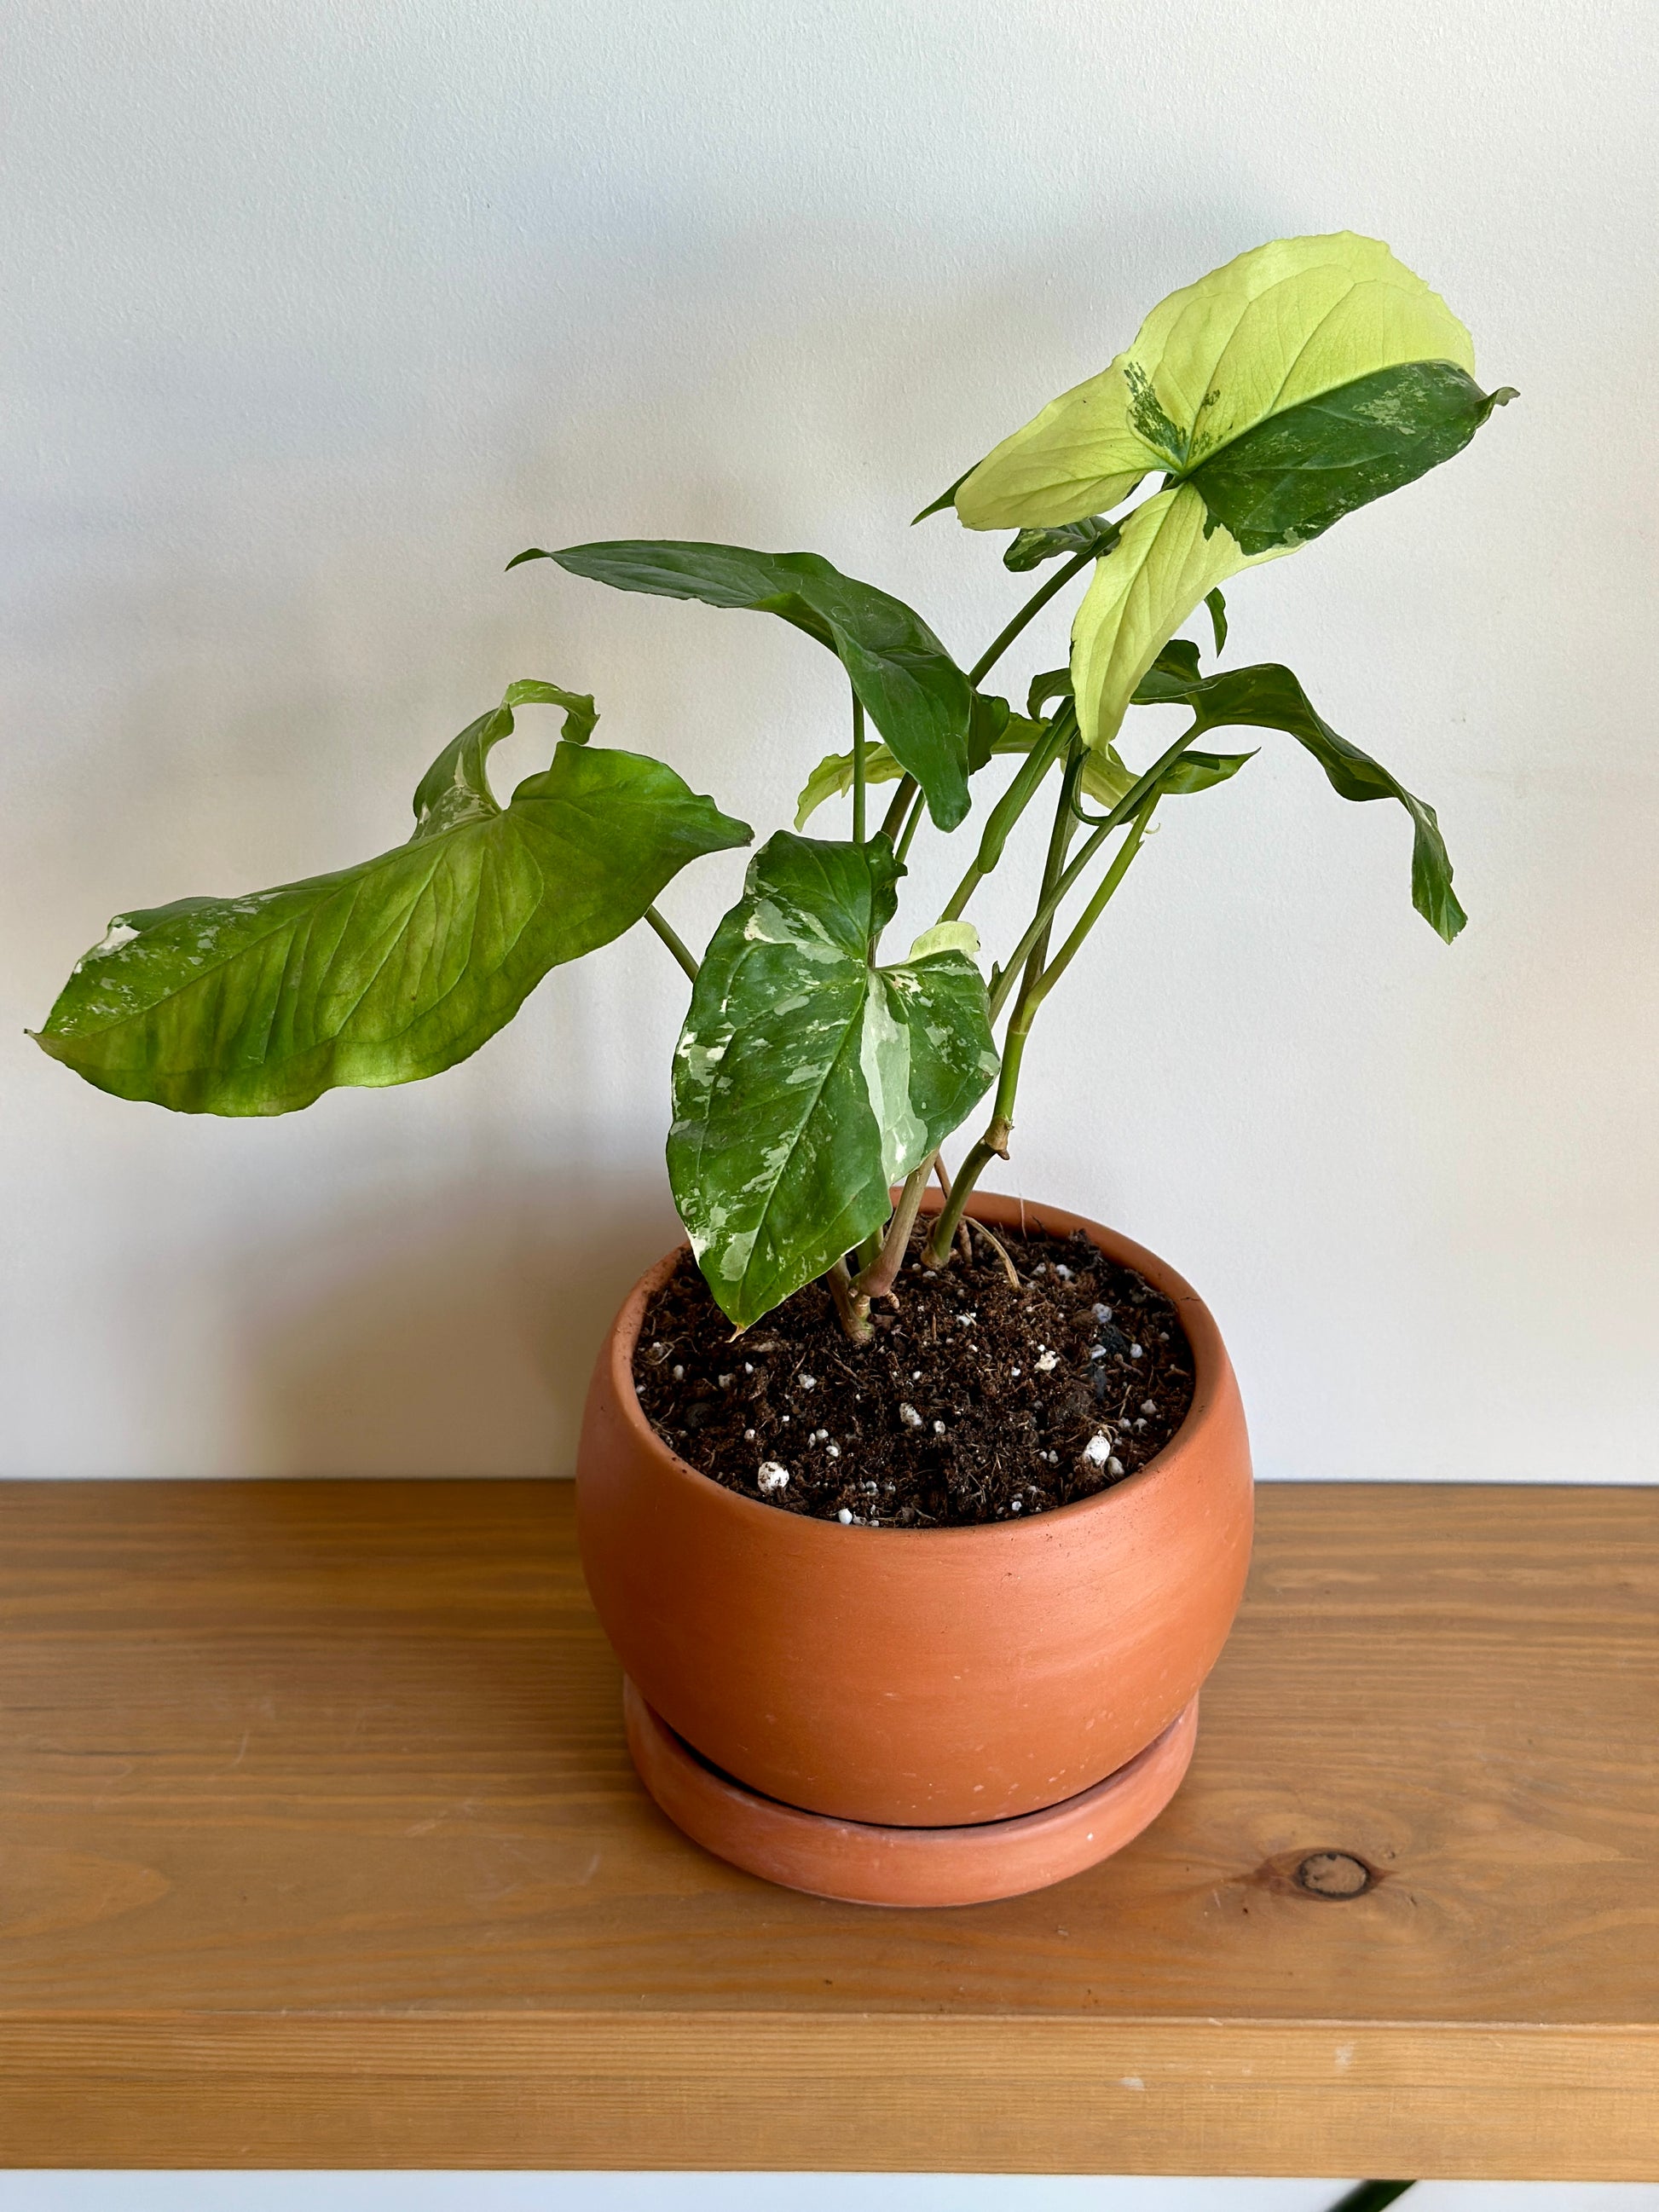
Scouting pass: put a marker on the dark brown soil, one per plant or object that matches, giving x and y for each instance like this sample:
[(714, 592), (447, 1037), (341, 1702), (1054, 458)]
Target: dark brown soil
[(976, 1401)]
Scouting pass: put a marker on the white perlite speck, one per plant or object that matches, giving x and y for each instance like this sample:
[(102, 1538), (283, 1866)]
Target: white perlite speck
[(1149, 1405), (939, 1428), (749, 1435), (807, 1381), (1097, 1450), (908, 1415), (1100, 1313), (1137, 1352), (1096, 1352), (845, 1516), (1114, 1466), (771, 1476), (1046, 1362), (832, 1451), (678, 1374)]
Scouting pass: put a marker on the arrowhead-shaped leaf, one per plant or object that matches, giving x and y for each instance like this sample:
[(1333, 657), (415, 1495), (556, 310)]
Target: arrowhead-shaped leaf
[(1268, 697), (1338, 373), (912, 690), (807, 1081), (401, 966)]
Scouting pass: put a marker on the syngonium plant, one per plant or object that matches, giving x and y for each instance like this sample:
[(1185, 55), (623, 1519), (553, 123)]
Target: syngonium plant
[(1273, 397)]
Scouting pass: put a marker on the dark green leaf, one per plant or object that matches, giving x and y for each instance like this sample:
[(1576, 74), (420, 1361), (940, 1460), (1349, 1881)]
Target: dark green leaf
[(1054, 683), (990, 719), (1269, 697), (399, 967), (912, 690), (1218, 607), (1197, 771), (1176, 665), (807, 1081), (1294, 474), (1032, 548)]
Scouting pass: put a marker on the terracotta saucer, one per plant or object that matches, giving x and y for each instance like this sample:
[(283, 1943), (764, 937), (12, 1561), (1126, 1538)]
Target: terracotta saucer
[(861, 1863)]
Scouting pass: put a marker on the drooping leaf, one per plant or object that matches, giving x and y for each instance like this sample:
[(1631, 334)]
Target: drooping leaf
[(1169, 560), (807, 1081), (1268, 697), (1218, 607), (1291, 477), (1093, 534), (912, 690), (401, 966), (1291, 322)]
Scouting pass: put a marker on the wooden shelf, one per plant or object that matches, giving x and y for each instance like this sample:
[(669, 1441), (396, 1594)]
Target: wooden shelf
[(320, 1846)]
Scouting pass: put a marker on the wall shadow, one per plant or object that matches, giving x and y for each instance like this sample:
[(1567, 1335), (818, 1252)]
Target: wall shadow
[(456, 1342)]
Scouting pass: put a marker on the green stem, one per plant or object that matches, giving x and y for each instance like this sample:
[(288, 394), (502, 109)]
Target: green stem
[(1129, 805), (857, 770), (875, 1282), (675, 943), (1035, 983), (1033, 607), (1044, 982), (1033, 771), (893, 820), (1371, 2196), (900, 819), (910, 829)]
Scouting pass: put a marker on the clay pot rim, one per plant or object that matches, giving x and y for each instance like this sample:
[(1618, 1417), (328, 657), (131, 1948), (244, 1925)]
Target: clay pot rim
[(1209, 1366)]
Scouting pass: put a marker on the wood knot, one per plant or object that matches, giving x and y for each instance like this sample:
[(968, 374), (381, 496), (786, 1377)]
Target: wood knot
[(1334, 1874)]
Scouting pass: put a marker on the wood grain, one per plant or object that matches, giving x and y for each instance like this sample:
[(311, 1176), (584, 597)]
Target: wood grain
[(320, 1846)]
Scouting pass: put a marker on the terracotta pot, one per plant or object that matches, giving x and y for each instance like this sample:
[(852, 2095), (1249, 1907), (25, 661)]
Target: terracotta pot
[(919, 1678)]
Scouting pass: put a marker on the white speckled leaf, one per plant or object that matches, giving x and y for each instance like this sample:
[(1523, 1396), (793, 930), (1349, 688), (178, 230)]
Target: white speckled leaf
[(807, 1081)]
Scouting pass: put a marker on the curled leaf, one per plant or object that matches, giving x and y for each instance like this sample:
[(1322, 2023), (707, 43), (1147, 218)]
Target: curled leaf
[(400, 966)]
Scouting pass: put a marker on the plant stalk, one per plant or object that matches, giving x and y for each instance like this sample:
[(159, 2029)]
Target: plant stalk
[(854, 1311), (875, 1282), (1032, 775), (1036, 982), (893, 820), (1129, 805), (858, 770), (910, 829), (676, 944), (1033, 607)]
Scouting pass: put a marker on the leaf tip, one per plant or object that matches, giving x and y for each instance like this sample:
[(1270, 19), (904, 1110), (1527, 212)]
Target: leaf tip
[(946, 499), (530, 553)]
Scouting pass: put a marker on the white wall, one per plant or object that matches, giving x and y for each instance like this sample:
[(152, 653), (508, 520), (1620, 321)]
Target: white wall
[(317, 314)]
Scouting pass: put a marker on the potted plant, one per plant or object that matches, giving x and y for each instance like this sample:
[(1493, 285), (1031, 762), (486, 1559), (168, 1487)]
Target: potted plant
[(917, 1516)]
